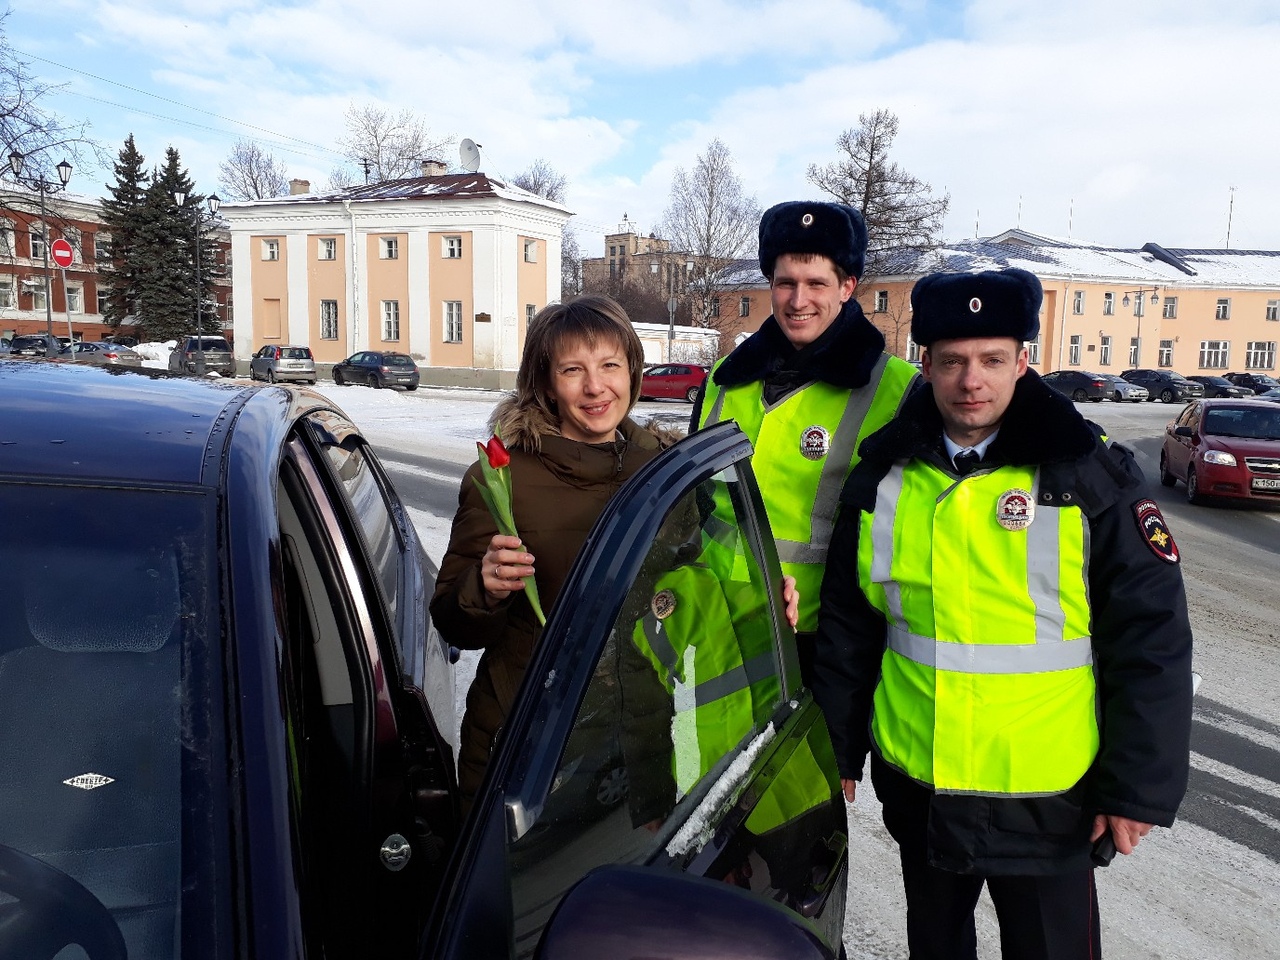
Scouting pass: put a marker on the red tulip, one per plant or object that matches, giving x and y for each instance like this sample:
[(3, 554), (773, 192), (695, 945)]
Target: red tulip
[(496, 452)]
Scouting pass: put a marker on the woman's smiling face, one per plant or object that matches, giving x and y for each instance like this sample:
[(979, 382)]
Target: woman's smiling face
[(592, 389)]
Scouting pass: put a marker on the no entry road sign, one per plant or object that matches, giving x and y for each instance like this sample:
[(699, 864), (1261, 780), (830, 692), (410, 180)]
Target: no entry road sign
[(61, 252)]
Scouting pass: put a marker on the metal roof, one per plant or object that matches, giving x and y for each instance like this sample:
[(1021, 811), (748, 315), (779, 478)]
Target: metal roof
[(448, 186)]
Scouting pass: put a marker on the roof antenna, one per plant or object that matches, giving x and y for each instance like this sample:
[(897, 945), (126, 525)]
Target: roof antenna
[(469, 153), (1231, 206), (366, 163)]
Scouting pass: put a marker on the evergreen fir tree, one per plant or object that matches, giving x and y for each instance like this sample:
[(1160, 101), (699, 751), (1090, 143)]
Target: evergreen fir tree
[(122, 216), (166, 287)]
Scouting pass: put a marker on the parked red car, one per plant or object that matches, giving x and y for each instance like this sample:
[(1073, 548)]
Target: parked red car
[(673, 381), (1224, 448)]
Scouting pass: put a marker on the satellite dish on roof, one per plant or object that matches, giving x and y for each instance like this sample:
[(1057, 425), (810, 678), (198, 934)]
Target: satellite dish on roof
[(470, 154)]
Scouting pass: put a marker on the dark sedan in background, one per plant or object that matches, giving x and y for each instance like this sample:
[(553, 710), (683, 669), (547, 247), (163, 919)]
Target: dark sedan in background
[(378, 369), (1165, 385), (228, 723), (673, 381), (1254, 382), (1220, 387), (1224, 448), (1079, 385)]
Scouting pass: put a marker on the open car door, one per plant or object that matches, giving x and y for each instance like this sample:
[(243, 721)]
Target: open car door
[(664, 782)]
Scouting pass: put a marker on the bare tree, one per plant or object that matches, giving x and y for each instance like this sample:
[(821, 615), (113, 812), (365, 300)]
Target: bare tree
[(570, 263), (43, 138), (543, 179), (901, 211), (383, 145), (709, 217), (251, 173)]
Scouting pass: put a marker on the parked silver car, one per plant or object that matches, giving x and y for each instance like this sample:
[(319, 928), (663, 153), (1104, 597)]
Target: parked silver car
[(104, 354), (1119, 389), (215, 352), (275, 363)]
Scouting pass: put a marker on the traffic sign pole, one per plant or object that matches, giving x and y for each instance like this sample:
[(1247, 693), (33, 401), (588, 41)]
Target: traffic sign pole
[(66, 299)]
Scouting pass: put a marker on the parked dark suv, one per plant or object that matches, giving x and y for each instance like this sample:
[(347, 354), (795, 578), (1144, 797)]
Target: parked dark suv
[(229, 727), (1220, 387), (377, 368), (217, 356), (35, 345), (1165, 385), (1255, 382)]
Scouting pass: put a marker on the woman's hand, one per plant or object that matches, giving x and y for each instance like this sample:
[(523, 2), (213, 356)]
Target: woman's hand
[(504, 567), (791, 597)]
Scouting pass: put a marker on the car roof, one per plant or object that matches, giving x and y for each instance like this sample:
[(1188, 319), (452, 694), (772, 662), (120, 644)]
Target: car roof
[(85, 421)]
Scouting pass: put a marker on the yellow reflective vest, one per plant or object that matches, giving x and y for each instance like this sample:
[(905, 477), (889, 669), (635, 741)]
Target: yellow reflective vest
[(987, 682), (805, 446)]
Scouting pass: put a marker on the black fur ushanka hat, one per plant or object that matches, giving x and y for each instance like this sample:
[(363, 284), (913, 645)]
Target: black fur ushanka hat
[(811, 226), (994, 303)]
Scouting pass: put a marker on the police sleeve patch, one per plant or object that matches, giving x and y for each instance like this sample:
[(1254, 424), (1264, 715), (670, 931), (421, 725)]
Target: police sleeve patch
[(1155, 531)]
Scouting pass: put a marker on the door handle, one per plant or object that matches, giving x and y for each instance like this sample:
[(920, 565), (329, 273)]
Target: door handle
[(811, 906)]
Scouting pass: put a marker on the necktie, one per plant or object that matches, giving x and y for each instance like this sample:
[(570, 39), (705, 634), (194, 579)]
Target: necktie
[(965, 462)]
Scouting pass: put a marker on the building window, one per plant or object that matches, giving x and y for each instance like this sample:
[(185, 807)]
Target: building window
[(688, 266), (75, 299), (1273, 310), (270, 249), (328, 319), (390, 319), (453, 248), (744, 307), (881, 301), (1077, 303), (101, 247), (1104, 352), (530, 311), (1073, 351), (613, 268), (453, 321), (37, 293), (530, 250), (1170, 309), (1165, 357), (715, 306), (388, 248), (1033, 352), (1135, 351), (6, 292), (103, 298), (6, 238), (1260, 355), (74, 237), (1214, 354), (37, 241), (1108, 304), (655, 267), (1223, 310), (327, 248)]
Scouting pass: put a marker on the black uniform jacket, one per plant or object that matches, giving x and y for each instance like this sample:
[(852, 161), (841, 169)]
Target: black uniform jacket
[(1141, 640)]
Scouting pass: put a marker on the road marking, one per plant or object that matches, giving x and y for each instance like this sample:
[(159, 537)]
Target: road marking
[(1239, 777)]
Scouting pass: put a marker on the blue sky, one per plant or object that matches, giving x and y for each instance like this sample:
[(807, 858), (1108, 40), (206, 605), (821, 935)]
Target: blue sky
[(1119, 121)]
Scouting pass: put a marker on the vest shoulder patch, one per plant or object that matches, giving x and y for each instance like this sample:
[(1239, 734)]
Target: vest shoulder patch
[(1155, 531)]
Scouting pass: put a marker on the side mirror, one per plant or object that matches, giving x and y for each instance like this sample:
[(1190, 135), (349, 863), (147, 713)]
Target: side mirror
[(1183, 432), (625, 911)]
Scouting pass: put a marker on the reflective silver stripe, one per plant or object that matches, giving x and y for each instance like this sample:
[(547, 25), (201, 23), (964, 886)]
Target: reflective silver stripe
[(882, 522), (991, 658), (714, 415), (721, 531), (1044, 576), (739, 678), (659, 644)]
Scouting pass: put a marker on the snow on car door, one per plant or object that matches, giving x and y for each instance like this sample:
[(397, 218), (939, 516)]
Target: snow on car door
[(662, 722)]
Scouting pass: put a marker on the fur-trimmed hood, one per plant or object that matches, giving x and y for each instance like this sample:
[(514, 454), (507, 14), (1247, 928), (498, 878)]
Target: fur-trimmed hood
[(522, 428), (843, 356)]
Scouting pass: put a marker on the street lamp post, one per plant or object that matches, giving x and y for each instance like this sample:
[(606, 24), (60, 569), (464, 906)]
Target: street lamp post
[(213, 203), (672, 303), (1138, 311), (43, 187)]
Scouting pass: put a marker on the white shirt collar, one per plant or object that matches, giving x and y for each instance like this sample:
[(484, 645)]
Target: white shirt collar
[(980, 449)]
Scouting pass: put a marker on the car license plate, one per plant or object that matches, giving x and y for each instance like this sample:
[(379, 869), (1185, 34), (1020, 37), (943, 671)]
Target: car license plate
[(1266, 483)]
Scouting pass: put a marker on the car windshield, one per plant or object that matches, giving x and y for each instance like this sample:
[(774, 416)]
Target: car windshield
[(396, 360), (295, 353), (108, 681), (1250, 423), (1216, 381), (209, 343)]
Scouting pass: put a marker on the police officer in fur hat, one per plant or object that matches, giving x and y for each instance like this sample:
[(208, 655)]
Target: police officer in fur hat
[(809, 385), (1003, 628)]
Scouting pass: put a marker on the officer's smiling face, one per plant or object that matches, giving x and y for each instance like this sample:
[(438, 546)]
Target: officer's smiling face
[(807, 295), (973, 382)]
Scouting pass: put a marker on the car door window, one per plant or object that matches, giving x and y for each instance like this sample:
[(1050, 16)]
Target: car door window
[(688, 677)]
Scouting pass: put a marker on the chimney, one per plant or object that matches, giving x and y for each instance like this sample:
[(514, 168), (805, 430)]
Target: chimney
[(434, 168), (299, 186)]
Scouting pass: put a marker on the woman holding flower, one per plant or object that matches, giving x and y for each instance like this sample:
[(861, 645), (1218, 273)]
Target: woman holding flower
[(571, 445)]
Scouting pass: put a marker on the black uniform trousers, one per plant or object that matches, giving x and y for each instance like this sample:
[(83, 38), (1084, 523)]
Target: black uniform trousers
[(1053, 917)]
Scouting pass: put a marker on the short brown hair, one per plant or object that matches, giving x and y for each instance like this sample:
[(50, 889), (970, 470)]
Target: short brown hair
[(841, 274), (587, 319)]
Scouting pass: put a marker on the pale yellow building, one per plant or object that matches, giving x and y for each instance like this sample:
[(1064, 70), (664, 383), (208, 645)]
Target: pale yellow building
[(448, 268)]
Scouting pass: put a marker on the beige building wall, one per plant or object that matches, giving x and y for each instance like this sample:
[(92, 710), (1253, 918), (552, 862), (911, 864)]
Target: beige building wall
[(271, 290), (531, 280), (327, 280), (450, 280), (388, 282)]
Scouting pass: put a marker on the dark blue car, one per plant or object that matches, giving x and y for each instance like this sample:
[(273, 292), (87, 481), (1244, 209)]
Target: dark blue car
[(228, 722)]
